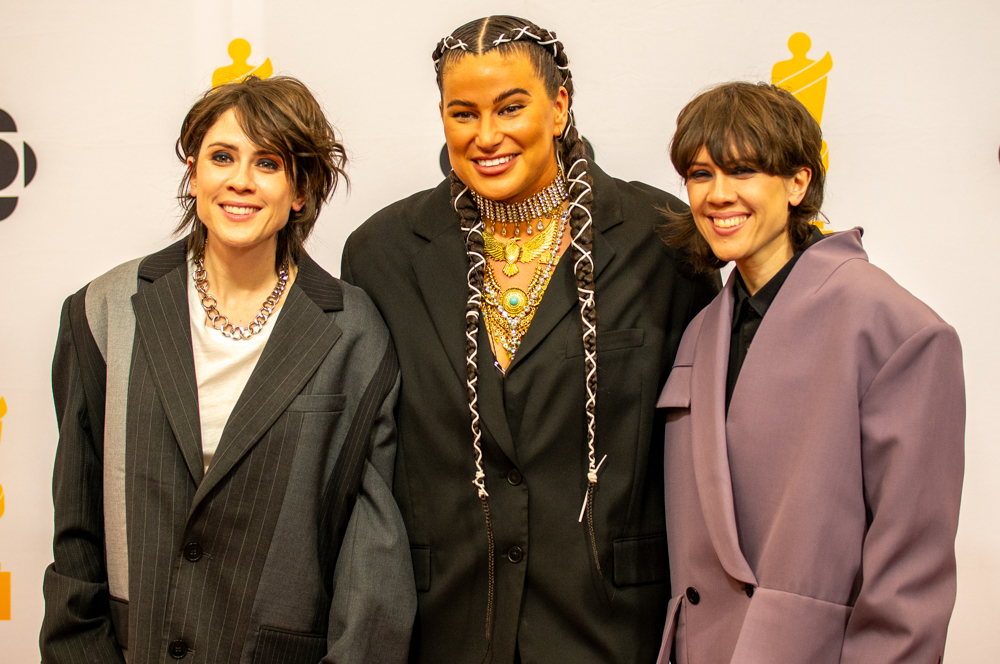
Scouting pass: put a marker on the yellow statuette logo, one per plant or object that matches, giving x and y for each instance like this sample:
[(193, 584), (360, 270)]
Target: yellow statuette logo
[(239, 51), (805, 78), (4, 595)]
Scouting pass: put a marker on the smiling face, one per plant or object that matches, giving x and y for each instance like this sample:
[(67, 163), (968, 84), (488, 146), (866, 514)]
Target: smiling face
[(501, 125), (743, 214), (244, 194)]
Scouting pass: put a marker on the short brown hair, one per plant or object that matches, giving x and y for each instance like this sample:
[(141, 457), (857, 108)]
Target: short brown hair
[(746, 124), (279, 114)]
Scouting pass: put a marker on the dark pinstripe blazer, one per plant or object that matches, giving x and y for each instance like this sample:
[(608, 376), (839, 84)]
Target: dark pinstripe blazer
[(156, 559)]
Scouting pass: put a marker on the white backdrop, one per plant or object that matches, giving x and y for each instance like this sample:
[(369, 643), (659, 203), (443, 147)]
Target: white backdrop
[(98, 90)]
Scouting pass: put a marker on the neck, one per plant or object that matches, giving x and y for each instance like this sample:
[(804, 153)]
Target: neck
[(757, 270), (236, 272)]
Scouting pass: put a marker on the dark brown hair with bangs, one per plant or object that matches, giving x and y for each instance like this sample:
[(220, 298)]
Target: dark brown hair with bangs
[(746, 124), (281, 115)]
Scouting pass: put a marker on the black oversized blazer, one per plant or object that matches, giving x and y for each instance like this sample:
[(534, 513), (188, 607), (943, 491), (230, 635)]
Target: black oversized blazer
[(551, 601), (267, 557)]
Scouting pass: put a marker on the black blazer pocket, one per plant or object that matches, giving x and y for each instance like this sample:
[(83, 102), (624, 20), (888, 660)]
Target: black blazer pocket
[(317, 403), (282, 646), (641, 560), (607, 341)]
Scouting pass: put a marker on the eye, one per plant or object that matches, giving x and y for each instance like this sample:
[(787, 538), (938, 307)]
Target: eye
[(744, 171), (510, 109), (462, 115), (269, 164), (699, 175), (221, 157)]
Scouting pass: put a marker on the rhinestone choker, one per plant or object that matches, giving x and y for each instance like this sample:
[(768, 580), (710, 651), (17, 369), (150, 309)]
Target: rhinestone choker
[(537, 207)]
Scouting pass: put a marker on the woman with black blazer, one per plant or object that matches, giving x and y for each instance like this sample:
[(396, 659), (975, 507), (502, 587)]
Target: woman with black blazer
[(536, 316), (222, 480)]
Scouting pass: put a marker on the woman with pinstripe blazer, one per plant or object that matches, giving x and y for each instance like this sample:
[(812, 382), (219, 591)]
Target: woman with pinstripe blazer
[(216, 455)]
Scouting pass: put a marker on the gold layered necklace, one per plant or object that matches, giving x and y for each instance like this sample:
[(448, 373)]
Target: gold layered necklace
[(508, 312)]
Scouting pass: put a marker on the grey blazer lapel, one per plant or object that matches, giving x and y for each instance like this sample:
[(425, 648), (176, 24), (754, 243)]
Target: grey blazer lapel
[(301, 339), (163, 325)]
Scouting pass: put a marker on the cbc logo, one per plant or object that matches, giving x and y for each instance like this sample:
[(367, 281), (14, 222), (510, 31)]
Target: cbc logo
[(13, 153)]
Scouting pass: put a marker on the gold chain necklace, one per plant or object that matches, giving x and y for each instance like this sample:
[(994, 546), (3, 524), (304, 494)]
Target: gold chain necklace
[(221, 322), (508, 312), (540, 205)]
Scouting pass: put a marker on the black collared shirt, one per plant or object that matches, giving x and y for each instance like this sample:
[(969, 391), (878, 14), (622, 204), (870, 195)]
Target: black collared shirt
[(749, 311)]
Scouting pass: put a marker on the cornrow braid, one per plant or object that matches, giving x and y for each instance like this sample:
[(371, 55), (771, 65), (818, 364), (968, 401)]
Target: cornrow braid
[(510, 34)]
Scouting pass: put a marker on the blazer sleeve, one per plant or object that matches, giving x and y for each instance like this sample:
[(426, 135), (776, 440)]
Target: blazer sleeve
[(374, 597), (913, 437), (77, 626)]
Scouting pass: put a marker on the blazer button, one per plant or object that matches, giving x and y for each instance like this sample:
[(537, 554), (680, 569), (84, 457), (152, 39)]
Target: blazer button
[(178, 649), (749, 590), (514, 476), (193, 552), (515, 554), (693, 596)]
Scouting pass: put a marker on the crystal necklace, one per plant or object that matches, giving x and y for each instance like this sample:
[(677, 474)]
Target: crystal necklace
[(508, 312)]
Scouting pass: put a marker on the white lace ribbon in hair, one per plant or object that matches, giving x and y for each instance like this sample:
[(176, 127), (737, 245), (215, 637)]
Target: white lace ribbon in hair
[(475, 297), (586, 302)]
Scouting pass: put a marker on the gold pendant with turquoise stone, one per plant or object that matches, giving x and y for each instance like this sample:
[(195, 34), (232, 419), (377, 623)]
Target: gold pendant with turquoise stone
[(513, 301)]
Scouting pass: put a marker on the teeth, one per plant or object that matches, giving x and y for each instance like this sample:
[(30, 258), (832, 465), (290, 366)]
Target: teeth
[(495, 162), (729, 223), (232, 209)]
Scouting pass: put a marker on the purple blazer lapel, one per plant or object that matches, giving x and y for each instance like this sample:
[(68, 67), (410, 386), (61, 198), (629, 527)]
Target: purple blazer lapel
[(708, 435)]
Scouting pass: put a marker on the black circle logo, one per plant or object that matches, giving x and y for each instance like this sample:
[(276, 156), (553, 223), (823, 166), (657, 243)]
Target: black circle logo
[(11, 165)]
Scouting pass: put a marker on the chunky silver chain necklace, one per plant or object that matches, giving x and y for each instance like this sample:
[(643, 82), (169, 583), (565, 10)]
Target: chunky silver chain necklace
[(221, 322)]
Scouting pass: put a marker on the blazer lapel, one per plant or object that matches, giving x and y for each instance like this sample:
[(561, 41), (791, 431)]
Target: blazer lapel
[(492, 405), (163, 323), (561, 294), (441, 269), (301, 339), (708, 433)]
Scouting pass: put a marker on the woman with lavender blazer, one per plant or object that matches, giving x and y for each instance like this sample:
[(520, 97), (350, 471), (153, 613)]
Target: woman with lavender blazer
[(813, 478)]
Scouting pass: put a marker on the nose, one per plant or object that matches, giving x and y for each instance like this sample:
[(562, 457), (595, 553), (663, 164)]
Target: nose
[(723, 191), (242, 177), (489, 135)]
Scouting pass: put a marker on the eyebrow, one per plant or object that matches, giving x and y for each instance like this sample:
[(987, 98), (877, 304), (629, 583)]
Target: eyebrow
[(499, 98), (229, 146)]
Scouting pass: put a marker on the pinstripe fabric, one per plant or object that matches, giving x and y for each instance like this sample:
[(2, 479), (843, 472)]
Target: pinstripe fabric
[(282, 647), (77, 579), (342, 489), (319, 401)]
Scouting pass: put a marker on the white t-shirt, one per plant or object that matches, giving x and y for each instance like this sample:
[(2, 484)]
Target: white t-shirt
[(222, 367)]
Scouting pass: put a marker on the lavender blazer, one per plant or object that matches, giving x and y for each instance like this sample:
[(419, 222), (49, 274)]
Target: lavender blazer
[(816, 523)]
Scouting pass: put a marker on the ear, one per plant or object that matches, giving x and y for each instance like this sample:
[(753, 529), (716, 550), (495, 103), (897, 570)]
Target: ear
[(441, 110), (192, 182), (561, 107), (299, 202), (798, 185)]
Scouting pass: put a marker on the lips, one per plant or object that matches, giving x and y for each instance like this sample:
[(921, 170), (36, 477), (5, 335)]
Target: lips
[(729, 222), (240, 211), (494, 165)]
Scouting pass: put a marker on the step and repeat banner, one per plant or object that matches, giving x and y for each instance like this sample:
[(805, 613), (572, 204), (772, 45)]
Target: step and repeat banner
[(92, 95)]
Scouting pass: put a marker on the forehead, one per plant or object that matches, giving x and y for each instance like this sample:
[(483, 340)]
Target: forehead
[(480, 78)]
